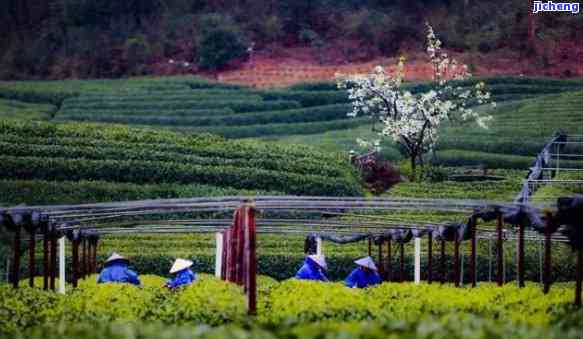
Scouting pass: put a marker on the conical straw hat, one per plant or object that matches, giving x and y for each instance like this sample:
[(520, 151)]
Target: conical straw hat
[(180, 264), (319, 259), (115, 256), (367, 262)]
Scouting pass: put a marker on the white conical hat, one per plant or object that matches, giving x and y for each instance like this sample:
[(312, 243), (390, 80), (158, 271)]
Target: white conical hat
[(180, 264), (319, 259), (114, 256), (366, 262)]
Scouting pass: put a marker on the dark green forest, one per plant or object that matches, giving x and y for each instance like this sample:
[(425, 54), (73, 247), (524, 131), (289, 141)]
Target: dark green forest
[(55, 39)]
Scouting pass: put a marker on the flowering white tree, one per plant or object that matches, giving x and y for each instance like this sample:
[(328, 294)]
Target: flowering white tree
[(413, 119)]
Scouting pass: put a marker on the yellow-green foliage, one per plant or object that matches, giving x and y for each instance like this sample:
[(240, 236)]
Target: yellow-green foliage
[(207, 301), (26, 307)]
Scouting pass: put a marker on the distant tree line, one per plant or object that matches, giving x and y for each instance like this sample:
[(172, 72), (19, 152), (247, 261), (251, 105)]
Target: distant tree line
[(114, 38)]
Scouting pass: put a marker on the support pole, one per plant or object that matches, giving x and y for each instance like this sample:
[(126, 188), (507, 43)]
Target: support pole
[(251, 253), (489, 258), (417, 260), (53, 257), (389, 260), (46, 266), (75, 254), (579, 277), (83, 258), (442, 262), (547, 257), (218, 254), (318, 246), (500, 251), (16, 257), (381, 264), (31, 256), (62, 242), (456, 255), (429, 258), (95, 245), (369, 247), (520, 256), (402, 264), (474, 256)]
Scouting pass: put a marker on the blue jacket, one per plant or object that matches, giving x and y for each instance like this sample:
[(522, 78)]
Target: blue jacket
[(182, 278), (362, 279), (118, 272), (311, 271)]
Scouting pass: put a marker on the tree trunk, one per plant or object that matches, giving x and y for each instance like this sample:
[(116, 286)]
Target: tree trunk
[(413, 168)]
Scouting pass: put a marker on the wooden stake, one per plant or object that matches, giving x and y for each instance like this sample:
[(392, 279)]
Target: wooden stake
[(16, 257), (500, 251), (443, 273), (520, 262), (402, 264), (369, 247), (579, 277), (389, 259), (381, 265), (31, 257), (53, 257), (429, 258), (456, 276), (473, 258), (46, 266), (75, 253), (547, 258)]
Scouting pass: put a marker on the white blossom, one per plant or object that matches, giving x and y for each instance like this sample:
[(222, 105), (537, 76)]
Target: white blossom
[(414, 119)]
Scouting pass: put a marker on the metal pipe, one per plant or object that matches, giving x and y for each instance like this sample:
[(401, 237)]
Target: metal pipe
[(16, 257), (429, 258), (31, 257)]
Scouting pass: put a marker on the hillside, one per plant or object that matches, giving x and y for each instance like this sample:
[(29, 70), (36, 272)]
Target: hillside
[(43, 163)]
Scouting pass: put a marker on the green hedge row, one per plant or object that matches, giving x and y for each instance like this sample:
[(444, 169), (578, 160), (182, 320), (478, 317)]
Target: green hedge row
[(237, 106), (319, 113), (197, 144), (219, 152), (139, 154), (255, 131), (80, 114), (42, 192), (158, 97), (151, 172), (491, 160), (307, 98)]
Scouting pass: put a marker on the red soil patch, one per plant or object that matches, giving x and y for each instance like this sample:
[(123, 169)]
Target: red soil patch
[(293, 65)]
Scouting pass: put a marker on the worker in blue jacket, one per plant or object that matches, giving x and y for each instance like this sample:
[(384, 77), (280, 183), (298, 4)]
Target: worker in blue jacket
[(184, 276), (116, 271), (366, 274), (313, 268)]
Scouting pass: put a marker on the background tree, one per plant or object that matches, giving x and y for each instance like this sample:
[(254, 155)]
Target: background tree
[(220, 40), (414, 120)]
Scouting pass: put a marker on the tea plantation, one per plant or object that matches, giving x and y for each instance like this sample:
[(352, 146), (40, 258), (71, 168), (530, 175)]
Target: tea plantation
[(290, 309)]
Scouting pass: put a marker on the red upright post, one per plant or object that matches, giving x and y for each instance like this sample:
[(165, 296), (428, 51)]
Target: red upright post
[(520, 255), (473, 259), (251, 254), (429, 258), (500, 251), (547, 260)]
